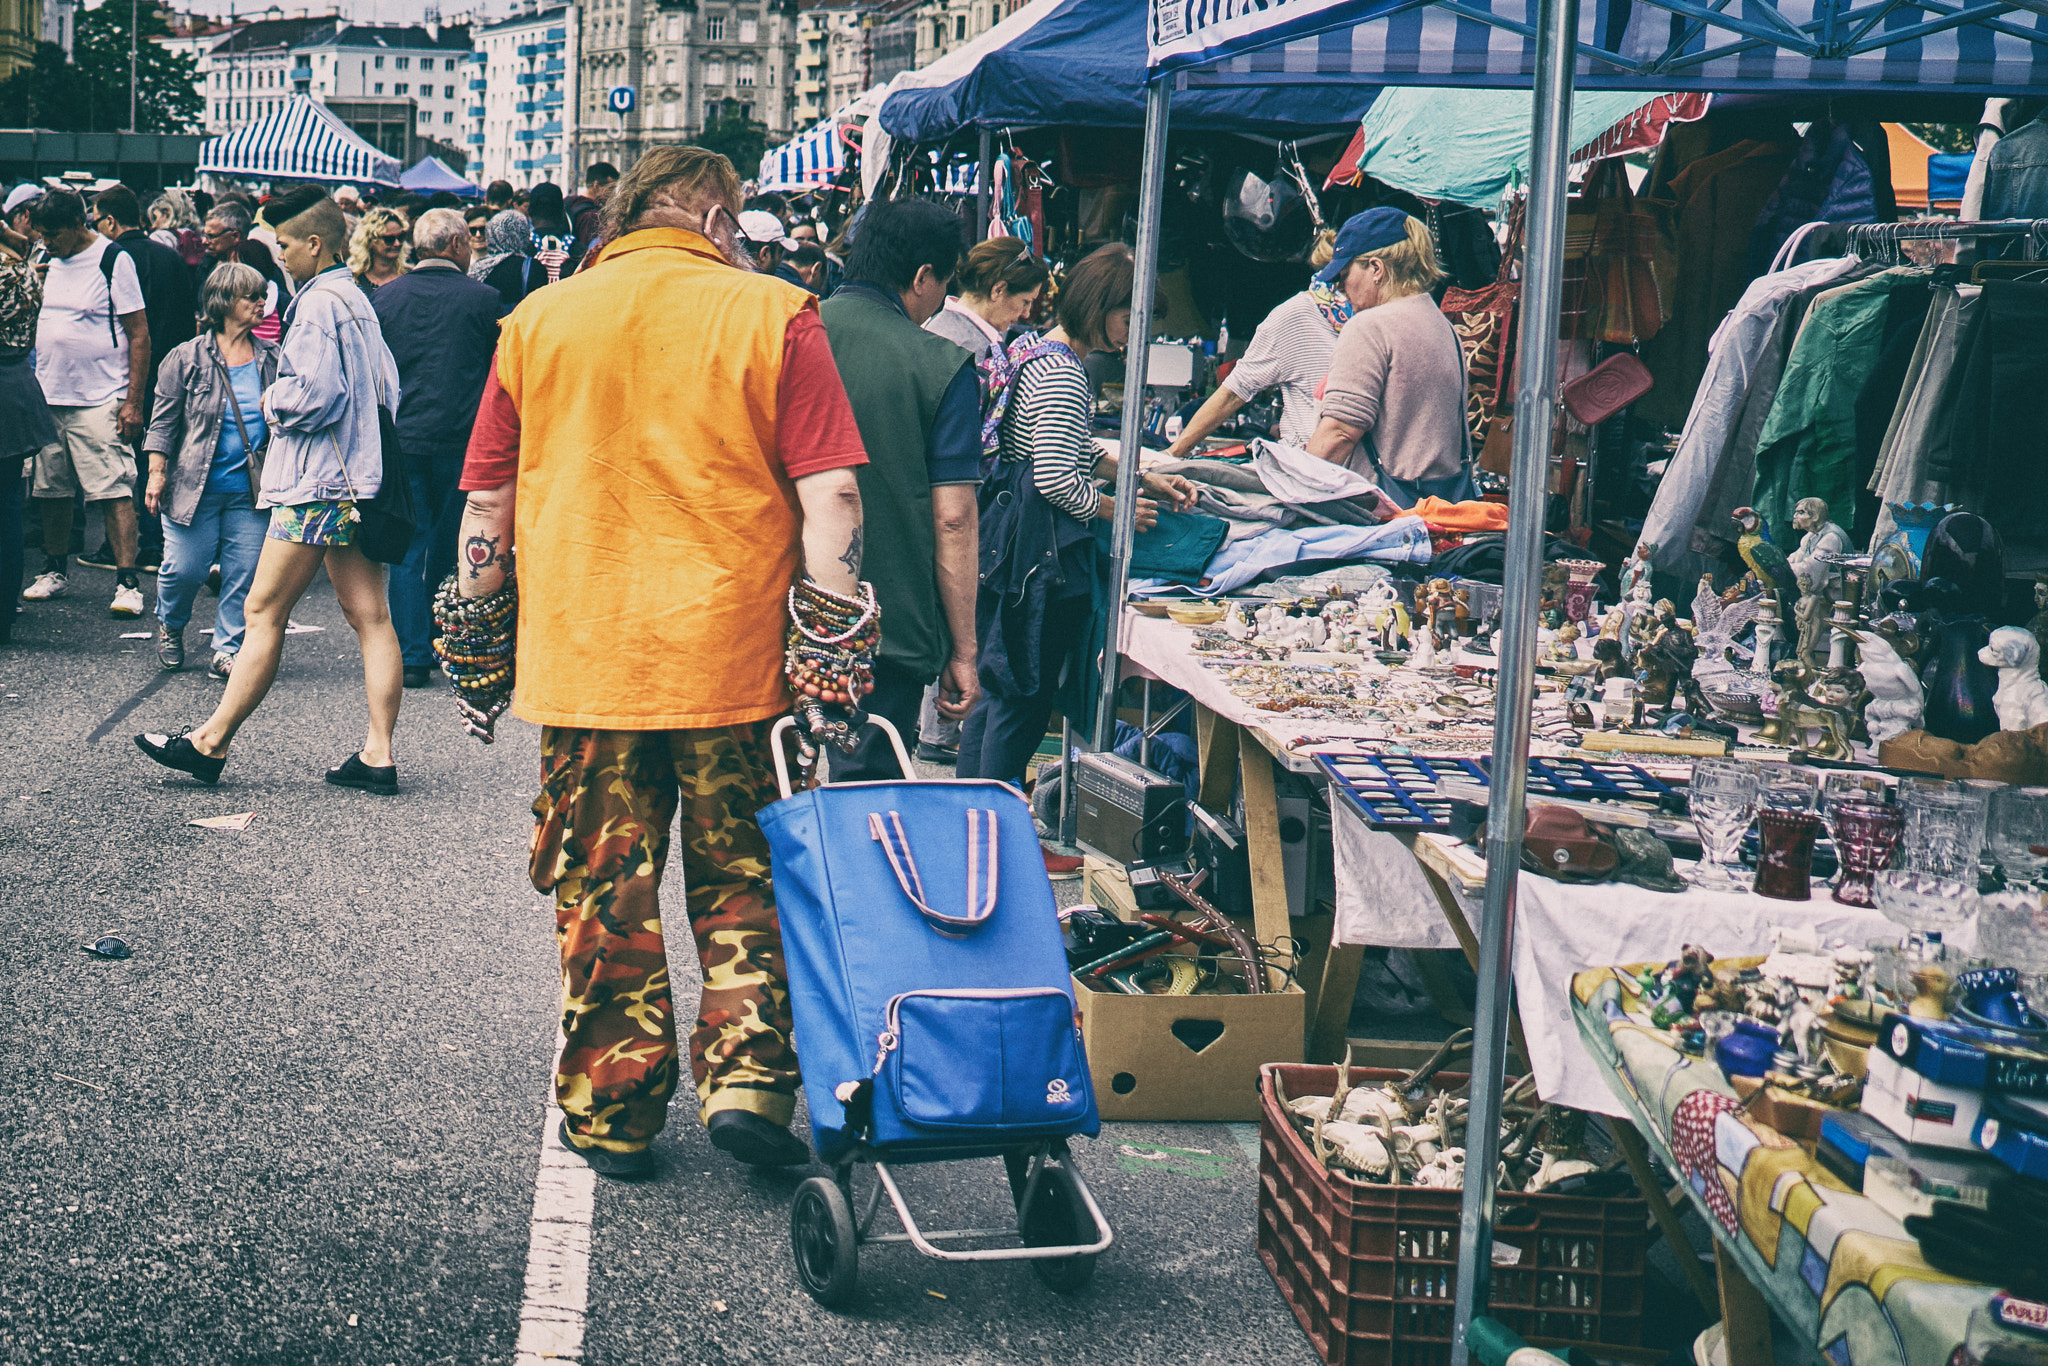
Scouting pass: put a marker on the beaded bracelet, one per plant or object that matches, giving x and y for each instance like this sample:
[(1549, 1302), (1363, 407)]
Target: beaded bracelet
[(477, 648), (832, 641)]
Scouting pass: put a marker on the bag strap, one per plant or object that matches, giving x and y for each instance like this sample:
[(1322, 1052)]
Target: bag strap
[(227, 380), (109, 259), (981, 870)]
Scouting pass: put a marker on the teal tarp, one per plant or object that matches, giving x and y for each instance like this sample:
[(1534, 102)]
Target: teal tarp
[(1405, 144)]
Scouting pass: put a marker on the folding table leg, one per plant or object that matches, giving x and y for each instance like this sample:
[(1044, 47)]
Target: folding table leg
[(1638, 1156), (1745, 1318)]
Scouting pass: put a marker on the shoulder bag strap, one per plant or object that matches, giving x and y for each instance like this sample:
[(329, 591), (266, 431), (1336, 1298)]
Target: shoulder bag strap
[(227, 378)]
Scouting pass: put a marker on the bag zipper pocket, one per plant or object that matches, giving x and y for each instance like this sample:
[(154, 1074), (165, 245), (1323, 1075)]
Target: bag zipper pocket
[(891, 1033)]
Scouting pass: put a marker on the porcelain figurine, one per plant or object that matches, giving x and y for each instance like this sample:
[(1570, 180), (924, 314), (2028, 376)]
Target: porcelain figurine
[(1822, 542), (1810, 615), (2039, 625), (1897, 702), (2022, 698), (1635, 570), (1564, 643), (1846, 689)]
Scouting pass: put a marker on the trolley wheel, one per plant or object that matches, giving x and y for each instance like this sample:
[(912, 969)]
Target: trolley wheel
[(1059, 1216), (821, 1238)]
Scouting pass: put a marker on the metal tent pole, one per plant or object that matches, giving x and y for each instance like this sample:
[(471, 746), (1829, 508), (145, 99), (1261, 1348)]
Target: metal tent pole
[(984, 183), (1144, 285), (1535, 396)]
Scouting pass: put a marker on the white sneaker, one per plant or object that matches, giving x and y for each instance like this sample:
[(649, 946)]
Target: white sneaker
[(223, 664), (127, 602), (46, 586)]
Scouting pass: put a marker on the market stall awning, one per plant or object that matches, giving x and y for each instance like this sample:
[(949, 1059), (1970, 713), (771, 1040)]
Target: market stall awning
[(1401, 141), (1998, 47), (1081, 63), (302, 141), (431, 174), (805, 162)]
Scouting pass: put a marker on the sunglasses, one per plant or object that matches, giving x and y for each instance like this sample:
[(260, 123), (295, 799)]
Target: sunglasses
[(393, 240)]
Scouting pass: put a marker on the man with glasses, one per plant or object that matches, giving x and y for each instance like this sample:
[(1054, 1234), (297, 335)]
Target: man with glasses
[(227, 239), (168, 301), (92, 359)]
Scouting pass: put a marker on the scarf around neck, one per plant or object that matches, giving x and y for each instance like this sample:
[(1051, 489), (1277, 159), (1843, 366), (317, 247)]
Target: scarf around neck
[(1331, 303)]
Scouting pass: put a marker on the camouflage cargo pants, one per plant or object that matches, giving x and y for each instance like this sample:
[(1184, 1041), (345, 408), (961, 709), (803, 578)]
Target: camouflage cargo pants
[(600, 842)]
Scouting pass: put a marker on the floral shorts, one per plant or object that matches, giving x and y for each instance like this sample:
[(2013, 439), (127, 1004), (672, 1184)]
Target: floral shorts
[(328, 522)]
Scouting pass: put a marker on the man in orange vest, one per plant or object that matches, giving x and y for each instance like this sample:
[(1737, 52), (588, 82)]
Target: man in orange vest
[(665, 440)]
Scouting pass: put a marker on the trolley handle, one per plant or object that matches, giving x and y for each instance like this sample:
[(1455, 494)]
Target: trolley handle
[(788, 723)]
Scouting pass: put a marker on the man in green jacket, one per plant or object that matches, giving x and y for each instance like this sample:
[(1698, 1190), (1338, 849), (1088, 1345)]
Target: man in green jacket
[(918, 406)]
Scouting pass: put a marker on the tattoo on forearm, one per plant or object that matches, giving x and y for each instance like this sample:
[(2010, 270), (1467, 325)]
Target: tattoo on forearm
[(480, 553), (851, 559)]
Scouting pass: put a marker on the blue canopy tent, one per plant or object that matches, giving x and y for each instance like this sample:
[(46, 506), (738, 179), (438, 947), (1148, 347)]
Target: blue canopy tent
[(302, 141), (431, 174), (1081, 63), (1824, 47)]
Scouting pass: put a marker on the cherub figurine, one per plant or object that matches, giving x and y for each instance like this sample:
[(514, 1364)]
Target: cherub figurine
[(1823, 544), (1564, 644), (1846, 689)]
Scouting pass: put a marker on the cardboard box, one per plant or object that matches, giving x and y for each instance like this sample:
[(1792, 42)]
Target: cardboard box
[(1917, 1109), (1186, 1057)]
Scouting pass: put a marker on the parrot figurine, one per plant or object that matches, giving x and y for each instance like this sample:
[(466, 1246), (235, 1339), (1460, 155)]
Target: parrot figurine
[(1765, 560)]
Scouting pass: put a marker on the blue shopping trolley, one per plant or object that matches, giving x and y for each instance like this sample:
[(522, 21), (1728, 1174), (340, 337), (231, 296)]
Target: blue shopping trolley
[(935, 1017)]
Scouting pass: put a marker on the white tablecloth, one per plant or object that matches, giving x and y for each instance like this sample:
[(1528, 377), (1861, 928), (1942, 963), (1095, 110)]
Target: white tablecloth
[(1561, 930)]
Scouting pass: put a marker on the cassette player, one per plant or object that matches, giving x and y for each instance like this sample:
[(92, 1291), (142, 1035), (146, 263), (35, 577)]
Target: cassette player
[(1126, 813)]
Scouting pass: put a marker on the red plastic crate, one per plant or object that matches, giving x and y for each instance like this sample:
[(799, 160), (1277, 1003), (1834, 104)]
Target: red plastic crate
[(1368, 1270)]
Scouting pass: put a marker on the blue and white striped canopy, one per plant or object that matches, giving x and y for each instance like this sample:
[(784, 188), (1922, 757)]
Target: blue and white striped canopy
[(302, 141), (1992, 47), (805, 162)]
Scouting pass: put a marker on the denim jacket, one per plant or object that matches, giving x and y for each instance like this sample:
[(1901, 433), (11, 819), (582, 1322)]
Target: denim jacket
[(335, 372), (191, 405), (2016, 174)]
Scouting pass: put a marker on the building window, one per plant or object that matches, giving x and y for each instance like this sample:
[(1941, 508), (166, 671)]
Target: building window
[(425, 117), (377, 89), (668, 114), (675, 30), (714, 71), (378, 62), (401, 88), (448, 65), (403, 63), (714, 29), (750, 30), (710, 112), (959, 31), (448, 117), (447, 92), (746, 73)]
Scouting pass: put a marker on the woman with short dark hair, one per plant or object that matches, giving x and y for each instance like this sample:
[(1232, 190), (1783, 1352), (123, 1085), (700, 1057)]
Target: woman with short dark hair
[(205, 447), (1038, 507)]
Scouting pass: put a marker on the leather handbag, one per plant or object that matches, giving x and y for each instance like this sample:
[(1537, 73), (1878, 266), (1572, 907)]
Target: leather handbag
[(1619, 261), (1606, 389), (1484, 320)]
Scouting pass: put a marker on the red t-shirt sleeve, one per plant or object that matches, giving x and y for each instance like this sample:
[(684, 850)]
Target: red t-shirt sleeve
[(814, 427), (493, 457)]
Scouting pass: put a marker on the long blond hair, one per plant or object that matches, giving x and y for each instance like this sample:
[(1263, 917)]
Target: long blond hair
[(374, 223)]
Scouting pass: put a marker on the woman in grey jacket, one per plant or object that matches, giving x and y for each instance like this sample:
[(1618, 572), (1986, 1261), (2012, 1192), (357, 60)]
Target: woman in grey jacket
[(206, 461)]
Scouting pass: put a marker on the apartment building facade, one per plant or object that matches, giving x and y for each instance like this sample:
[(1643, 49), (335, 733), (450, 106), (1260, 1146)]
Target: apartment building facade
[(521, 87)]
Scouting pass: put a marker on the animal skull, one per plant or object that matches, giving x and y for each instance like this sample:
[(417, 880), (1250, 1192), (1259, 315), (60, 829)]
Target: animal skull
[(1556, 1169), (1416, 1145), (1356, 1148), (1445, 1172)]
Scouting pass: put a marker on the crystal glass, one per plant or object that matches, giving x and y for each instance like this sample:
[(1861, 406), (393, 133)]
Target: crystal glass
[(2012, 932), (1784, 860), (1867, 837), (1848, 785), (1944, 831), (1781, 787), (1723, 796), (1924, 901), (2019, 833)]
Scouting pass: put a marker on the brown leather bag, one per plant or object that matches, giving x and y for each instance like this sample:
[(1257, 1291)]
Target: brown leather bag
[(1619, 261), (1606, 389)]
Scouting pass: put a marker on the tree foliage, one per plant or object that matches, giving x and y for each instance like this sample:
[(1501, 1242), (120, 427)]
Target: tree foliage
[(741, 140), (89, 92)]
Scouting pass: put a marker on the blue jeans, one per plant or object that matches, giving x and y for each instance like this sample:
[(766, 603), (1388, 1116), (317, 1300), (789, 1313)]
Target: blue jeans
[(226, 530), (431, 559)]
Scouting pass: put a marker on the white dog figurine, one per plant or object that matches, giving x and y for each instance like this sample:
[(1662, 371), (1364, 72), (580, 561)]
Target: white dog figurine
[(2022, 698)]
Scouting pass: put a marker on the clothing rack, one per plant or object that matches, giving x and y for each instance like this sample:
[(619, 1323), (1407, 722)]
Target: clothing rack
[(1874, 239)]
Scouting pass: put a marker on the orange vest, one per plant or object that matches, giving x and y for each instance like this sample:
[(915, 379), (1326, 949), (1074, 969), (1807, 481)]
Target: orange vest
[(657, 535)]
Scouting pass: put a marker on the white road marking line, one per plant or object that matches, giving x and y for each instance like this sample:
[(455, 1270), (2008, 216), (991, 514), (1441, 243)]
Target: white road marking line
[(558, 1254)]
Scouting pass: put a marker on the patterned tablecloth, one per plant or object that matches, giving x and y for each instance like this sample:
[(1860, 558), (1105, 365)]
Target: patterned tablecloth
[(1843, 1273)]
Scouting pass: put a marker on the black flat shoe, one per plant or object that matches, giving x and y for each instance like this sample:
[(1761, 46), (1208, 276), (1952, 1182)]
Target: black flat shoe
[(418, 675), (747, 1137), (175, 751), (633, 1166), (355, 773)]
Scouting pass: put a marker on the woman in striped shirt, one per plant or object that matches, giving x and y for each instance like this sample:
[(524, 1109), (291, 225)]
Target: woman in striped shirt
[(1038, 553)]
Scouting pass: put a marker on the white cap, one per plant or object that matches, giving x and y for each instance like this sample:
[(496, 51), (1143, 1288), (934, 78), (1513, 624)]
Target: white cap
[(20, 195), (762, 227)]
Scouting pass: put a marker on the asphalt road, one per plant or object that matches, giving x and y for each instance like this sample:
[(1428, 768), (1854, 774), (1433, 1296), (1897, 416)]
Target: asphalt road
[(303, 1122)]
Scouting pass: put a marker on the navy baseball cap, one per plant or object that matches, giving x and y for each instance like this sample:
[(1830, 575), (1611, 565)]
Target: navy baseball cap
[(1361, 233)]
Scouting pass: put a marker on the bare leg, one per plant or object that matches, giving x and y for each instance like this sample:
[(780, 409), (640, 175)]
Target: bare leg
[(359, 584), (56, 525), (120, 514), (283, 571)]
